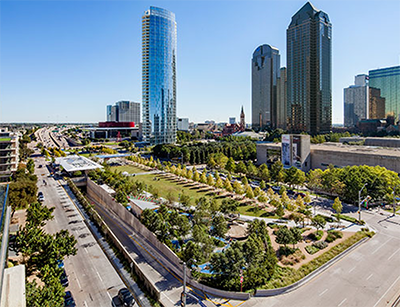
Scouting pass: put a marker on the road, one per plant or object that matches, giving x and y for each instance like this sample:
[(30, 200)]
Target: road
[(148, 258), (368, 277), (93, 280)]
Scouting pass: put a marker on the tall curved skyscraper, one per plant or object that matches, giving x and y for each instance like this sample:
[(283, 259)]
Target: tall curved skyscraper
[(159, 75)]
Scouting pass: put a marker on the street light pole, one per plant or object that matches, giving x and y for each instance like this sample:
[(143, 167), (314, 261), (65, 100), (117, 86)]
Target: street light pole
[(394, 200), (184, 285), (359, 202)]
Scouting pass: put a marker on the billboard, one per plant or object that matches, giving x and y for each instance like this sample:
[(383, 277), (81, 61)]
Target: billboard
[(296, 151), (286, 150)]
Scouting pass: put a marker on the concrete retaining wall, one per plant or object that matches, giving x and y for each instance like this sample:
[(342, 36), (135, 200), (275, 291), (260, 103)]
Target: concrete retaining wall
[(174, 263)]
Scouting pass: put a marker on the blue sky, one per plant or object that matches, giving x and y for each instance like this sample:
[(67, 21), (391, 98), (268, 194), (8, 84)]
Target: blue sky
[(64, 61)]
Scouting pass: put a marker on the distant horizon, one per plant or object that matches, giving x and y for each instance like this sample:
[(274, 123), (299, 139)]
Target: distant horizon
[(85, 55)]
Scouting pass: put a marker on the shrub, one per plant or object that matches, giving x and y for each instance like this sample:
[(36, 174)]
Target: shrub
[(316, 236), (333, 235), (311, 249), (320, 244), (286, 251), (293, 259)]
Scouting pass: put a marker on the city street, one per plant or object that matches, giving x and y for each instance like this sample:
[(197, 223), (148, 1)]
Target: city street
[(93, 280)]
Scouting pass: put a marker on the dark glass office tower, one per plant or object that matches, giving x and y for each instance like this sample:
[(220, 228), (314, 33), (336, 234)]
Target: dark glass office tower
[(265, 66), (387, 80), (309, 58), (159, 76)]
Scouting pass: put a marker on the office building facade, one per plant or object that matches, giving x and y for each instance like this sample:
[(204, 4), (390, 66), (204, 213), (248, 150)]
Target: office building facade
[(159, 47), (281, 109), (356, 101), (124, 111), (183, 124), (377, 104), (265, 69), (309, 73), (387, 80)]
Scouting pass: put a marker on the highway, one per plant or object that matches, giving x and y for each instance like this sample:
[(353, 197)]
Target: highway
[(93, 280)]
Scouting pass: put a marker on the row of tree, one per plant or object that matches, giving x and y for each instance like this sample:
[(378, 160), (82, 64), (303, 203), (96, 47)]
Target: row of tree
[(346, 182), (41, 253), (237, 148)]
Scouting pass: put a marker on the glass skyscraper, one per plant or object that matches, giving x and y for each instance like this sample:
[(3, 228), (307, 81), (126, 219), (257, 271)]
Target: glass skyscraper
[(159, 47), (387, 80), (265, 69), (309, 85)]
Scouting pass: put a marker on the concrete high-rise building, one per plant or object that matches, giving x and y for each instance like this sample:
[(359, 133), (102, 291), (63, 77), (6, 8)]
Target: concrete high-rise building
[(265, 66), (124, 111), (9, 150), (159, 47), (309, 57), (183, 124), (128, 111), (388, 81), (377, 104), (356, 101), (281, 109), (112, 113)]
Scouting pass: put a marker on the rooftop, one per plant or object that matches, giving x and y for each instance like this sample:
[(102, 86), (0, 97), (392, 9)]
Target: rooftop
[(142, 204), (77, 163)]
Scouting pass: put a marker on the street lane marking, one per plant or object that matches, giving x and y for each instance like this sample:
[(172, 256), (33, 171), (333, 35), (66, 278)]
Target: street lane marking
[(99, 276), (341, 303), (393, 254), (352, 269), (387, 291), (380, 246), (79, 284), (84, 302), (322, 293), (369, 276)]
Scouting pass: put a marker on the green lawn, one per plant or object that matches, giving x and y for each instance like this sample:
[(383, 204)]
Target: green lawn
[(165, 186), (128, 168), (251, 210), (5, 139)]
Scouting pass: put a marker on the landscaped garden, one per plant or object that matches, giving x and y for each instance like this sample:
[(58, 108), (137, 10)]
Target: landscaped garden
[(199, 229)]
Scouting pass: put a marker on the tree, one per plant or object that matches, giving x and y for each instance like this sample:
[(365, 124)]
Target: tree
[(257, 191), (210, 180), (241, 168), (230, 165), (263, 173), (284, 236), (185, 199), (249, 192), (245, 181), (227, 185), (318, 222), (307, 199), (263, 185), (300, 203), (183, 225), (203, 178), (296, 235), (338, 207), (219, 183), (211, 162), (294, 176), (277, 173), (196, 176), (237, 187), (279, 211), (151, 220), (38, 214), (171, 197), (199, 234), (251, 169), (192, 254), (30, 166), (219, 227), (229, 205), (296, 217)]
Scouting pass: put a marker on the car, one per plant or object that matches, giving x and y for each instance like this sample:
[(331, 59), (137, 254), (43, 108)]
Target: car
[(60, 264), (64, 279), (69, 299), (40, 197), (126, 297)]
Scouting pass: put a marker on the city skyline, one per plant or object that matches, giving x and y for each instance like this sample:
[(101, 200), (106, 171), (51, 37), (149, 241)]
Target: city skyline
[(70, 74)]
